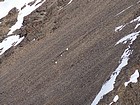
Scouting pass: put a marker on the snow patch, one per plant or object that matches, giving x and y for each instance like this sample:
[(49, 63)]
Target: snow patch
[(108, 86), (137, 25), (22, 13), (55, 62), (6, 6), (119, 28), (9, 42), (137, 19), (133, 78), (70, 2), (67, 49), (34, 39), (116, 98), (124, 10), (131, 37)]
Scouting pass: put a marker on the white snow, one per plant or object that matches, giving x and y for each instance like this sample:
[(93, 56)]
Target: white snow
[(70, 2), (5, 7), (9, 42), (124, 10), (108, 86), (22, 13), (137, 19), (34, 39), (119, 28), (137, 25), (67, 49), (116, 98), (55, 62), (131, 37), (133, 78)]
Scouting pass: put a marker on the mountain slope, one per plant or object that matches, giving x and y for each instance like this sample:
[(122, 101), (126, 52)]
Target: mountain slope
[(69, 52)]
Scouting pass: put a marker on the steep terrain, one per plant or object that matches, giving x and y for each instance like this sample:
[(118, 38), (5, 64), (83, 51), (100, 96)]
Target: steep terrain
[(69, 52)]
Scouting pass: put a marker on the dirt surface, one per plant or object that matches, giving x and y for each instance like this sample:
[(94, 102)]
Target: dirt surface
[(72, 56)]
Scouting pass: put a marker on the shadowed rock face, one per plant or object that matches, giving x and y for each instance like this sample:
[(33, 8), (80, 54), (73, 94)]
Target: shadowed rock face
[(74, 54)]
